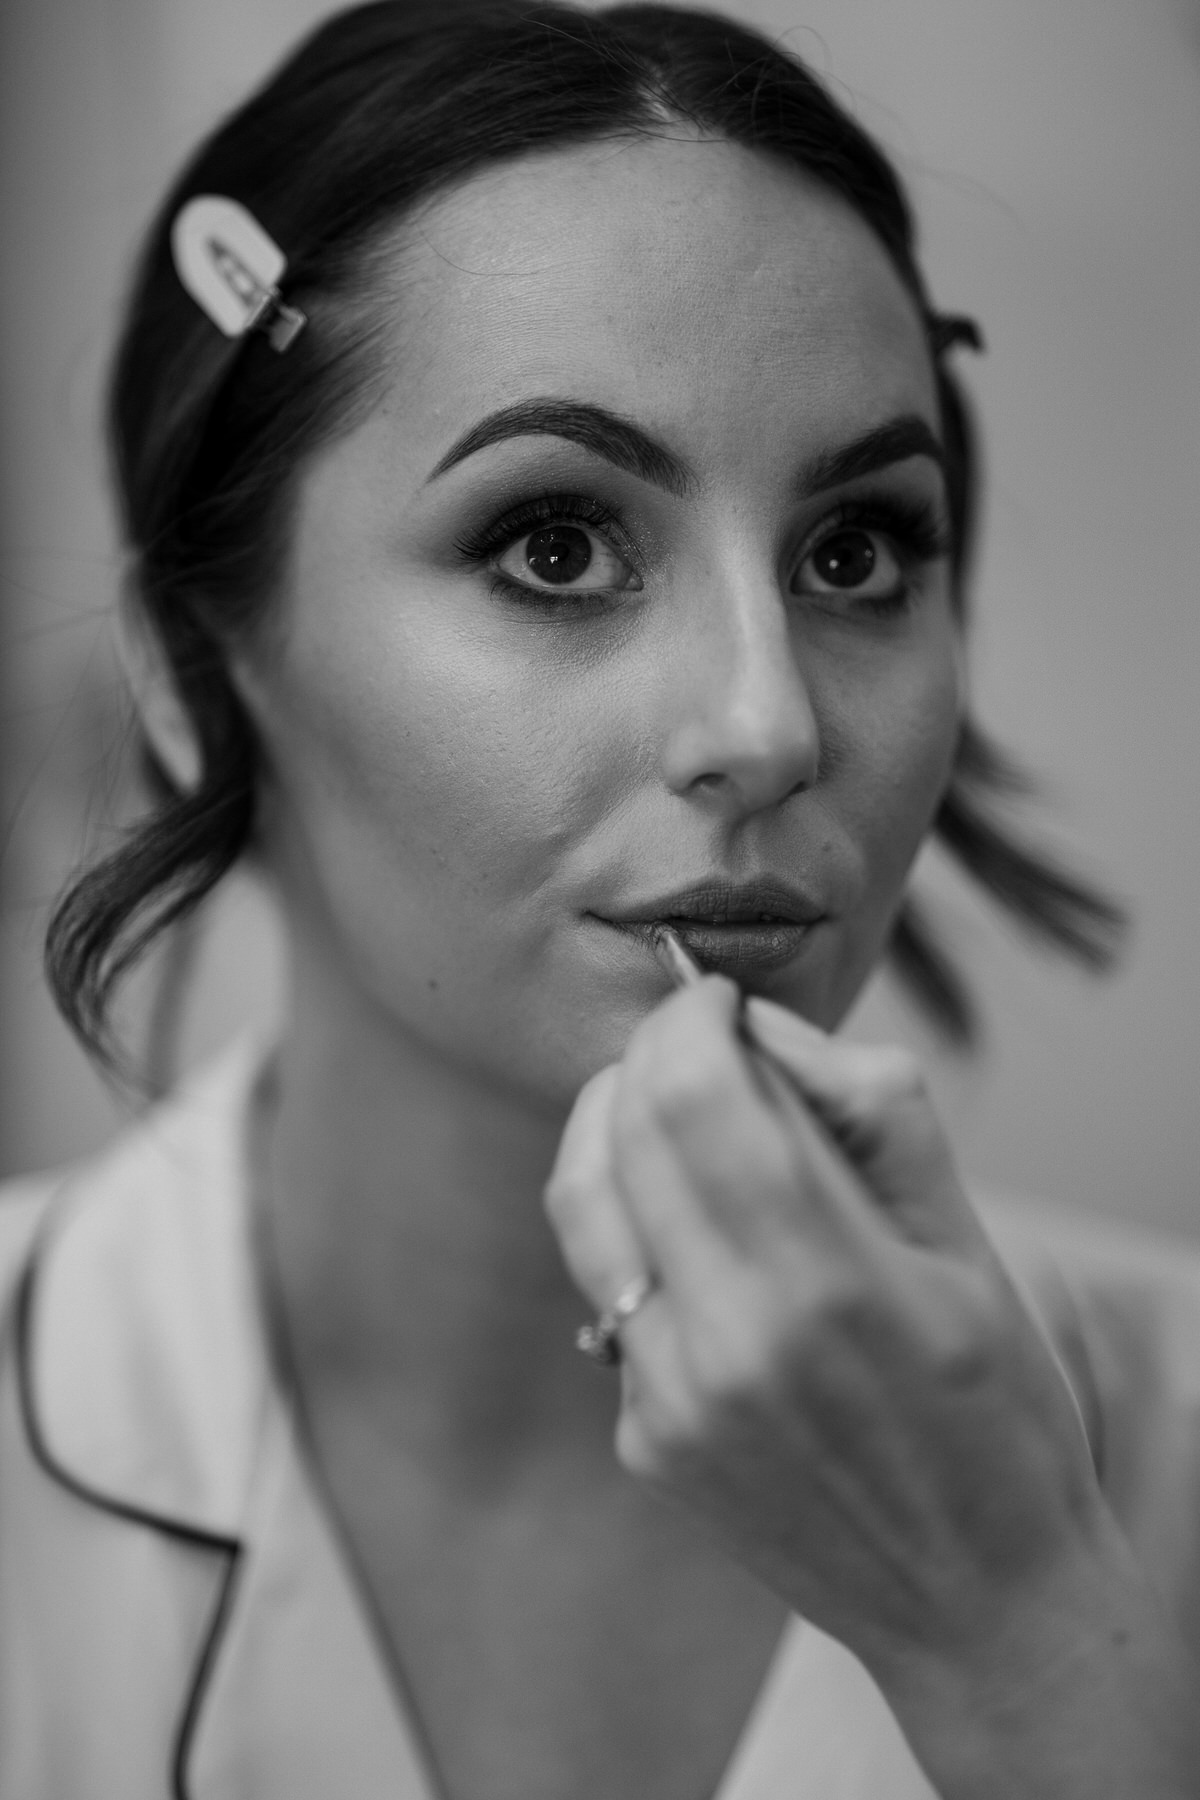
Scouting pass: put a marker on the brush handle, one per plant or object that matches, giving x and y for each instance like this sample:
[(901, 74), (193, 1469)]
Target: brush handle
[(685, 971)]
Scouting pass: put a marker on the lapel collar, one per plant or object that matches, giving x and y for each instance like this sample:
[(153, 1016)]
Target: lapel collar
[(300, 1705), (148, 1392), (145, 1369)]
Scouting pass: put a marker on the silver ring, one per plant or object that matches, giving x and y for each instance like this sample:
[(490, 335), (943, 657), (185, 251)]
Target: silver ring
[(600, 1340)]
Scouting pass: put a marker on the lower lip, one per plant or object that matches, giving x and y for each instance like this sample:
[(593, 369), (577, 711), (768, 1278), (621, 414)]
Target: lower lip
[(728, 949)]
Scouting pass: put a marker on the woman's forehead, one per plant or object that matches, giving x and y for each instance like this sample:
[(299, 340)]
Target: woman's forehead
[(678, 274)]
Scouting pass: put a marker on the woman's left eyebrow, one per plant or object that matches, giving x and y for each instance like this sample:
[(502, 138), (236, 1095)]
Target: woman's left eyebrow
[(892, 442), (619, 441)]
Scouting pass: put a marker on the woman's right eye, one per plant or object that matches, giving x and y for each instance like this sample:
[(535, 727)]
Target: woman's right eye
[(565, 556)]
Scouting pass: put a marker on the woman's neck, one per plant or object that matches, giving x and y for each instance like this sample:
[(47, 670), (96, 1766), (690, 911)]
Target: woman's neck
[(414, 1264)]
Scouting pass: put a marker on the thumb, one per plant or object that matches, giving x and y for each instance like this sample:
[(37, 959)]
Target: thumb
[(873, 1101)]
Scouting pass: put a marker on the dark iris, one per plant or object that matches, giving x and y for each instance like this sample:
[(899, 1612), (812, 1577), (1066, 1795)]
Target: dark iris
[(846, 559), (558, 553)]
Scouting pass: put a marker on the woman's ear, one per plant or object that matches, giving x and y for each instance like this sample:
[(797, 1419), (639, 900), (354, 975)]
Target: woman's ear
[(163, 716)]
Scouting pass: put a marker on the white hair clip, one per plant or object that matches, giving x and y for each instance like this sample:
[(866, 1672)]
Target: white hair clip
[(232, 269)]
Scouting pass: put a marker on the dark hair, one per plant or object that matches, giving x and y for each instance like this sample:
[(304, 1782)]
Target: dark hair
[(382, 106)]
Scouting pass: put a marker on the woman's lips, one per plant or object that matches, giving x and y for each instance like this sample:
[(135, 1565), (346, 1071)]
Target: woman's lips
[(740, 947)]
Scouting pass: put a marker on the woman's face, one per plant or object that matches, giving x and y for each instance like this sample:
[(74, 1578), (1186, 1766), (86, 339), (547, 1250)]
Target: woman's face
[(628, 599)]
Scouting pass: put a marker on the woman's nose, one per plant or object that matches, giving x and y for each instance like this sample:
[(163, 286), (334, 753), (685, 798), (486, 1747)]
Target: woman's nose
[(743, 728)]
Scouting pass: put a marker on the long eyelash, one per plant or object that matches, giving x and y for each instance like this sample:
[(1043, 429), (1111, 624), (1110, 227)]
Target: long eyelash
[(918, 527), (544, 509)]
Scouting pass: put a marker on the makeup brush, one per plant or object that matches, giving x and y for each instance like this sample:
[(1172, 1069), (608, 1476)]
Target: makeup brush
[(776, 1082), (685, 971)]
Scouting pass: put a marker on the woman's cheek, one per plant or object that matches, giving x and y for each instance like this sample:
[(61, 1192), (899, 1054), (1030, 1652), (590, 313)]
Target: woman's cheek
[(891, 767), (900, 734)]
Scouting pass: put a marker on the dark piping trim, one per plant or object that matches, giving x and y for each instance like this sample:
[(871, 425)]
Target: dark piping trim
[(195, 1536)]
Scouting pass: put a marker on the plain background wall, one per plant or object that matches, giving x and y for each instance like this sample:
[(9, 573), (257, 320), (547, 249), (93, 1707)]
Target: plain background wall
[(1054, 154)]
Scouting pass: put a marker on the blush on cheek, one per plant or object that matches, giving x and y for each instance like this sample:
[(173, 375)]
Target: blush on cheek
[(441, 772), (921, 758), (889, 781)]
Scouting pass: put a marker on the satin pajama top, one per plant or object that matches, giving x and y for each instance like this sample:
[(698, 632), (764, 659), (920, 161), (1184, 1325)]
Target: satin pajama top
[(177, 1617)]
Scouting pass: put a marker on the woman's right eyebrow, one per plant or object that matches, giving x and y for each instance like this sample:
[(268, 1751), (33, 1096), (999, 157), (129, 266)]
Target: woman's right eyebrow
[(619, 441), (604, 433)]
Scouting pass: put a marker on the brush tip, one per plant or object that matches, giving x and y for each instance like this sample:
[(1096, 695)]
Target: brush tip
[(681, 967)]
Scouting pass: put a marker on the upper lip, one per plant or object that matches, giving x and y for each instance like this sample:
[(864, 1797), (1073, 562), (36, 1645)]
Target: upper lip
[(724, 903)]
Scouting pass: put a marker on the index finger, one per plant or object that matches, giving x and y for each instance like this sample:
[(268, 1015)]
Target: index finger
[(598, 1238), (707, 1149), (874, 1102)]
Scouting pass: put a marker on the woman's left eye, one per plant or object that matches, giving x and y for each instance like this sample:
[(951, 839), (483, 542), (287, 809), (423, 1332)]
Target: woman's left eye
[(565, 556), (854, 560)]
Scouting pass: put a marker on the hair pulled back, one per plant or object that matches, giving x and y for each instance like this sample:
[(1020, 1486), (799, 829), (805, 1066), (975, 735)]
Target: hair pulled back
[(379, 109)]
